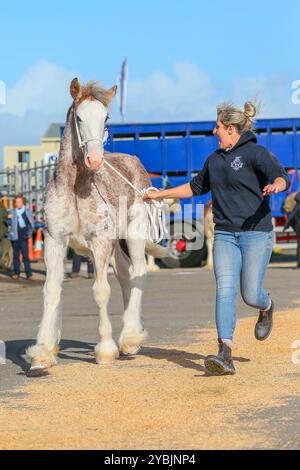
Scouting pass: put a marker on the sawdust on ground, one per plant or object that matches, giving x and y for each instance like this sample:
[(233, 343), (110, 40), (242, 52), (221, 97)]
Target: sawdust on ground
[(163, 398)]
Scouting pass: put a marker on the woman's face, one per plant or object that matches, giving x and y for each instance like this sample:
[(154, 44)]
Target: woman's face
[(223, 134), (19, 203)]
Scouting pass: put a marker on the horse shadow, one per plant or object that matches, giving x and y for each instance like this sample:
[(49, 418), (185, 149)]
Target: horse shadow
[(70, 350), (81, 351)]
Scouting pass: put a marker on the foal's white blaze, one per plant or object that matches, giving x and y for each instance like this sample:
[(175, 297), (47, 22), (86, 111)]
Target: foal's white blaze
[(91, 122)]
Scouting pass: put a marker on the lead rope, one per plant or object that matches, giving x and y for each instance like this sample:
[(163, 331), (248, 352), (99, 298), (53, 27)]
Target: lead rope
[(155, 211)]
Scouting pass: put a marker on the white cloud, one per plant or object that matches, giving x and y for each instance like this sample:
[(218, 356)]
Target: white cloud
[(43, 88), (273, 93), (187, 94), (41, 96)]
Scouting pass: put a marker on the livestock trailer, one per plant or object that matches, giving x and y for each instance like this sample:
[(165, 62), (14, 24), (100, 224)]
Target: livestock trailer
[(175, 152)]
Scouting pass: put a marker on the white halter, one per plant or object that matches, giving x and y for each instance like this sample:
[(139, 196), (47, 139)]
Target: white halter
[(83, 144)]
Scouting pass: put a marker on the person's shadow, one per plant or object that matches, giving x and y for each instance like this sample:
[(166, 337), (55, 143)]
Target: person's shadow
[(183, 359)]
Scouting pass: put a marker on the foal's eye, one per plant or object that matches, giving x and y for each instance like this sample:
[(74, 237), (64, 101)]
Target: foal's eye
[(79, 119)]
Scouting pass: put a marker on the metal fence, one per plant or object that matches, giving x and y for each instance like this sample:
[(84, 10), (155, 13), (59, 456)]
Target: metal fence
[(31, 182)]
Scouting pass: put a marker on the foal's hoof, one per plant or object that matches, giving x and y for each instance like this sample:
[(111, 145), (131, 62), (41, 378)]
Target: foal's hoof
[(106, 352), (130, 351), (38, 369), (102, 362), (105, 360), (40, 364)]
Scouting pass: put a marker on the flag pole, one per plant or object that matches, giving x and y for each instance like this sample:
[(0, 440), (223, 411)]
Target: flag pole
[(123, 87)]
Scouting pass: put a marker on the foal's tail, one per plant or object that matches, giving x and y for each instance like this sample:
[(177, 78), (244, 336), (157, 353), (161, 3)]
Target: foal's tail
[(155, 250)]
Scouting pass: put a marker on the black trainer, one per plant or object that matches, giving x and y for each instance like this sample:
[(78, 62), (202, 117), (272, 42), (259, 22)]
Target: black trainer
[(264, 323), (221, 364)]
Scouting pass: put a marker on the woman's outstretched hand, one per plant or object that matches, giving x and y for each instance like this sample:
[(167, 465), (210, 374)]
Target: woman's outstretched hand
[(270, 189), (278, 186), (151, 195), (180, 192)]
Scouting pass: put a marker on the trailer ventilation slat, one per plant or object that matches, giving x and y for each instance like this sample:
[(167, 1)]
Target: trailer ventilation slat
[(284, 130), (153, 136), (175, 135), (201, 133), (123, 136)]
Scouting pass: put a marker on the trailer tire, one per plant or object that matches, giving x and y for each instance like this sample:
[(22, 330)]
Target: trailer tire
[(186, 259)]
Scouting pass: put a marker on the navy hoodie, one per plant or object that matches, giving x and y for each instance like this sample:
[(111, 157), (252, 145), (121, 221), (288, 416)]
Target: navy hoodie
[(236, 179)]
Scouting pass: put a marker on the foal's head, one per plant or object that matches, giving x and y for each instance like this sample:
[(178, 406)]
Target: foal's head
[(90, 115)]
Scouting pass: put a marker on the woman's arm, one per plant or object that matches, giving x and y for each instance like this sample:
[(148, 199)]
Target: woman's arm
[(278, 186), (266, 163), (180, 192), (199, 185)]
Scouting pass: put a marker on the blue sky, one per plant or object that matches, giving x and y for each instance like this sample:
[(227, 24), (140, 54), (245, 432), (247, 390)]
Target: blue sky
[(184, 58)]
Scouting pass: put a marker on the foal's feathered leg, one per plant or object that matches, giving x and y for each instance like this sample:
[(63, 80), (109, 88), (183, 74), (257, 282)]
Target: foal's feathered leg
[(133, 333), (106, 350), (43, 353)]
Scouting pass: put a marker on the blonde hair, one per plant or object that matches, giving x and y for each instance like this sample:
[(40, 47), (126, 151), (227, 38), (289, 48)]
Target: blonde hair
[(229, 114)]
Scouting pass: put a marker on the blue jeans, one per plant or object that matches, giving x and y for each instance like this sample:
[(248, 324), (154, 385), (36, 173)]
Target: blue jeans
[(21, 246), (240, 258)]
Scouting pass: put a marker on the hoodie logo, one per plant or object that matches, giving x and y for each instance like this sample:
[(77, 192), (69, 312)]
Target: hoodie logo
[(237, 163)]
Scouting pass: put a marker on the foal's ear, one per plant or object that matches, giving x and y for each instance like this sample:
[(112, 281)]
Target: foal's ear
[(75, 89), (112, 91)]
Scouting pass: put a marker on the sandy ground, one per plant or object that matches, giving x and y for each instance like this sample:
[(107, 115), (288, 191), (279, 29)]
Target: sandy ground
[(163, 398)]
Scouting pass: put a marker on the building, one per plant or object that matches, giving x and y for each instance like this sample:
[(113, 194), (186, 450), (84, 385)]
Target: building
[(31, 154)]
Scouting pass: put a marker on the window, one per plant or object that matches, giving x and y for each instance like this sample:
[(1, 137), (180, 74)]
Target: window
[(23, 157)]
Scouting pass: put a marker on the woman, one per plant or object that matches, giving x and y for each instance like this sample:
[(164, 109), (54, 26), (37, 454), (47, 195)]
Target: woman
[(21, 222), (240, 175)]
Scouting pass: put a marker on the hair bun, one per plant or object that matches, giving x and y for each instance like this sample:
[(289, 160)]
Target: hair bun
[(249, 109)]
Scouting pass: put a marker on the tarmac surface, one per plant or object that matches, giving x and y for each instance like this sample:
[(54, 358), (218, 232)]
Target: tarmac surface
[(177, 306)]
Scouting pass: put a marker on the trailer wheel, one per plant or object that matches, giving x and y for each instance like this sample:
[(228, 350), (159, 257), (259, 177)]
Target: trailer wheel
[(180, 256)]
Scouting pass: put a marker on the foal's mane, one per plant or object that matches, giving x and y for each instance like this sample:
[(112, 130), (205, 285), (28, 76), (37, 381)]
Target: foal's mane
[(93, 91)]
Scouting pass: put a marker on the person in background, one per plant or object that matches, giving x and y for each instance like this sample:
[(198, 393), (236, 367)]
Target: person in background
[(21, 222), (3, 219), (5, 245), (294, 222), (77, 259)]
